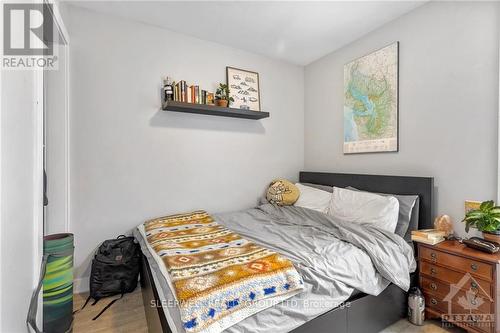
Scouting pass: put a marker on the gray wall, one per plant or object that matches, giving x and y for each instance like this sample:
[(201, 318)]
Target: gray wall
[(131, 162), (448, 103)]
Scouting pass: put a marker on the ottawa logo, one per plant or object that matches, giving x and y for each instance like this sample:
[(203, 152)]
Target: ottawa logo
[(469, 304)]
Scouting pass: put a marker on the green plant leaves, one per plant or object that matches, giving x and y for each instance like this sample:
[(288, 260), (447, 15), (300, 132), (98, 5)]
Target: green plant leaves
[(486, 218), (486, 205), (223, 91)]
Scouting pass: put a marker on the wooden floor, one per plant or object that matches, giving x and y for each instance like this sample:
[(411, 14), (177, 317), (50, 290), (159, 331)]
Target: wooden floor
[(127, 315), (431, 326)]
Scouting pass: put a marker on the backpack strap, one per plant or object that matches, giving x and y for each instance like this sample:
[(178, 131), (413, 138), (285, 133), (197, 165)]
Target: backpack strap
[(84, 305), (107, 307), (122, 284)]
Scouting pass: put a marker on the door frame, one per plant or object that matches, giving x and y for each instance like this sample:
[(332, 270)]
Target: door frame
[(39, 161), (59, 23)]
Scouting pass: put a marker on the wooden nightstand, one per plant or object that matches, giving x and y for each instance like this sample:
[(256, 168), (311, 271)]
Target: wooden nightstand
[(460, 285)]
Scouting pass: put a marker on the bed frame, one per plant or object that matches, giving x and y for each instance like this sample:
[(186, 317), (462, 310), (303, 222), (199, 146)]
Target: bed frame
[(361, 314)]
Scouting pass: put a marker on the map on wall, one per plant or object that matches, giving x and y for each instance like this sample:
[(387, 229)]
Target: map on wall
[(371, 102)]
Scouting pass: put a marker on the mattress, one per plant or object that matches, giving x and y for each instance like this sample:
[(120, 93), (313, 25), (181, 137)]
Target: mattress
[(333, 270)]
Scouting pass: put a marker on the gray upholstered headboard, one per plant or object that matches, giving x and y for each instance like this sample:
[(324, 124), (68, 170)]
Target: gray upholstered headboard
[(421, 186)]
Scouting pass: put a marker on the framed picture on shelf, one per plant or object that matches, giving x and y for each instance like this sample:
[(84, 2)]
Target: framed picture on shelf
[(243, 88), (210, 98)]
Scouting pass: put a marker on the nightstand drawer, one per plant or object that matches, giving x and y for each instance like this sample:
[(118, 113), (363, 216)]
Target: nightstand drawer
[(479, 320), (458, 304), (452, 277), (434, 286), (436, 302), (442, 288), (457, 263)]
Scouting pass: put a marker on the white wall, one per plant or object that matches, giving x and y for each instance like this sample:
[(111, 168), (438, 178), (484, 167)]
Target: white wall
[(131, 162), (21, 215), (21, 193), (448, 103), (21, 178)]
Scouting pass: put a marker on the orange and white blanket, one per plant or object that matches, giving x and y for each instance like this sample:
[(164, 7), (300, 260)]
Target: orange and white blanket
[(219, 278)]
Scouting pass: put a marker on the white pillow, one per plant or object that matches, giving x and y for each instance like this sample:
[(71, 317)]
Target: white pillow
[(313, 198), (364, 207)]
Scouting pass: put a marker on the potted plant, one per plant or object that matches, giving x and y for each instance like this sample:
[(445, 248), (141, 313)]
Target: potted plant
[(222, 97), (485, 219)]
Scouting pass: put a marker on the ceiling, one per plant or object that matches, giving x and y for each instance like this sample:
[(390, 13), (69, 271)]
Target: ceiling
[(298, 32)]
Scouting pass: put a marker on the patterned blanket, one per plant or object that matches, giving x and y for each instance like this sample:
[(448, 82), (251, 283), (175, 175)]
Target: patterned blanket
[(219, 278)]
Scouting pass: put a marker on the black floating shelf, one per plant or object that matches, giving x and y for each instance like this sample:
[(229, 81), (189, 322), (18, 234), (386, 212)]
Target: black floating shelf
[(212, 110)]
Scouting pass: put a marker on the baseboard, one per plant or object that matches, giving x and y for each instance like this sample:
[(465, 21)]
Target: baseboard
[(81, 285)]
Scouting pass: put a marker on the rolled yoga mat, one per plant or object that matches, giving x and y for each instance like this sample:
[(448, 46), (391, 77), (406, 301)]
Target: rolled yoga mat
[(58, 283)]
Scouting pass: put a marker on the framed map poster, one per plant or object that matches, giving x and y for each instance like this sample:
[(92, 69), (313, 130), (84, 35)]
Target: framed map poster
[(243, 88), (371, 102)]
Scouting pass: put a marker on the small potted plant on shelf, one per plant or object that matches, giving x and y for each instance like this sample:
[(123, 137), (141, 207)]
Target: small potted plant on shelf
[(222, 97), (485, 219)]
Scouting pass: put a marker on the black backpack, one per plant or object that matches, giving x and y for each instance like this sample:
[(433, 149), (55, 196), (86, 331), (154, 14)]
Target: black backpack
[(115, 270)]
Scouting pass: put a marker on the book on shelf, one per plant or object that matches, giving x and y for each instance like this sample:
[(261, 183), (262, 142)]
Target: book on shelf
[(430, 241), (210, 98), (179, 94), (203, 97), (176, 95), (191, 94), (182, 92), (429, 233)]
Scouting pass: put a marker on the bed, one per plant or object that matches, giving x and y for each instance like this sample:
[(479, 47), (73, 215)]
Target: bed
[(343, 308)]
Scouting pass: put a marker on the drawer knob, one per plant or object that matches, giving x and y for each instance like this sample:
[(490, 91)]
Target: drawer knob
[(433, 301), (473, 267), (433, 256), (473, 302), (474, 287), (433, 271), (433, 286)]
